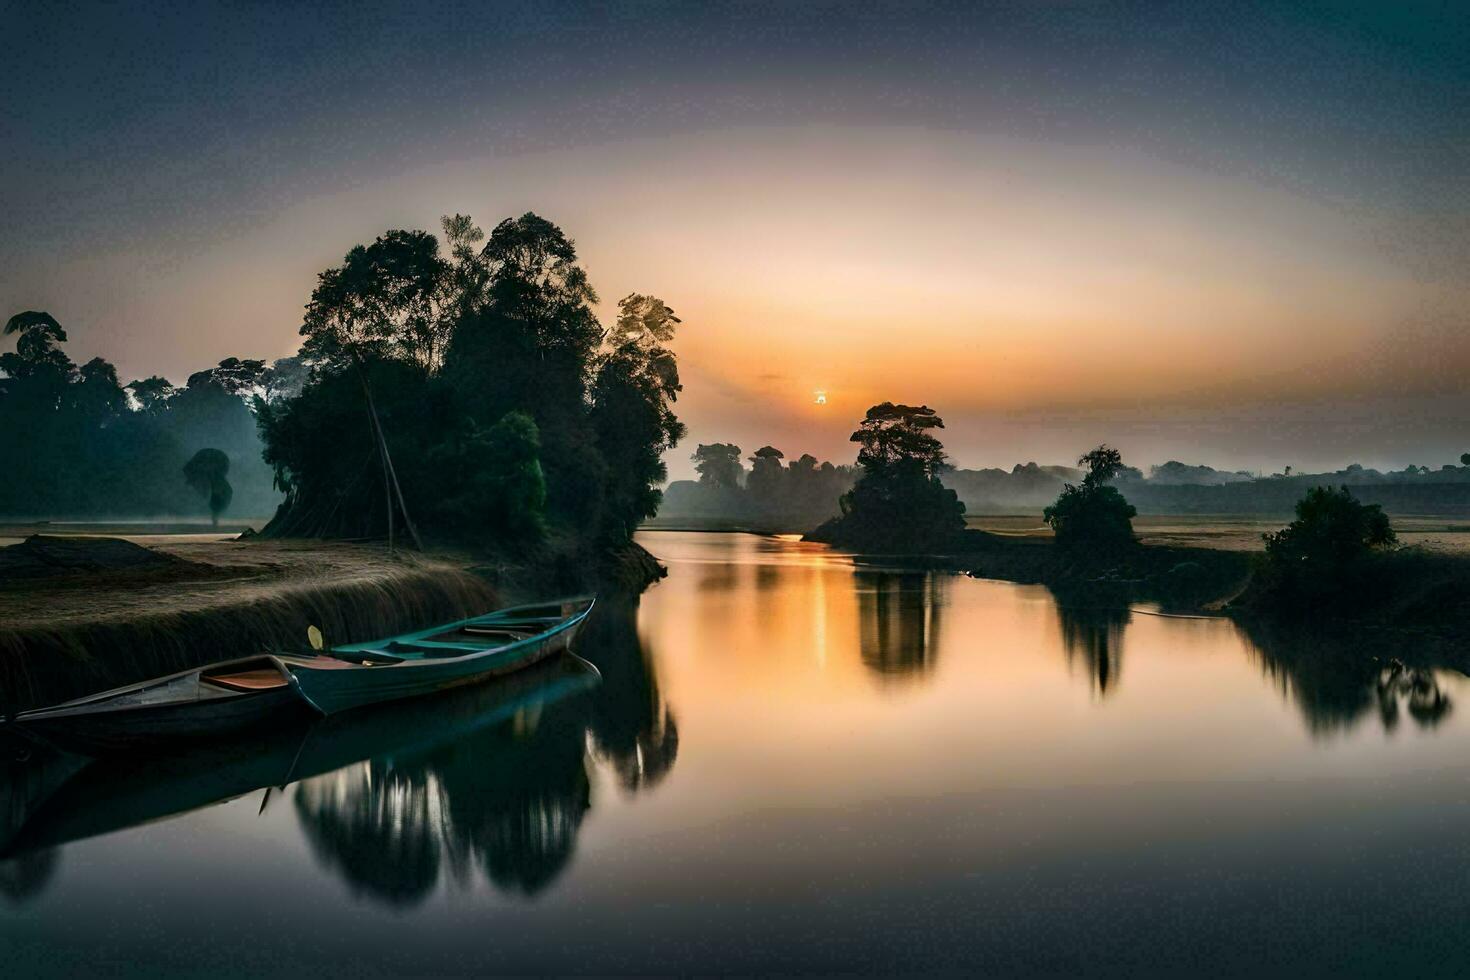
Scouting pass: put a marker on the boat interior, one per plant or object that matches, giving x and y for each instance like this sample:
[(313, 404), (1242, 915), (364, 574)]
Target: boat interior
[(232, 679), (262, 675), (476, 635)]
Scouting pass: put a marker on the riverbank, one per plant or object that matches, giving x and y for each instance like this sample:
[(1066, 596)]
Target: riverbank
[(81, 613)]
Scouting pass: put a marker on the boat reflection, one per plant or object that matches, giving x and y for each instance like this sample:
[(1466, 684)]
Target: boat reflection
[(394, 799)]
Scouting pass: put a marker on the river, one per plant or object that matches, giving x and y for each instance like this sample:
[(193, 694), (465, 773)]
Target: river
[(792, 762)]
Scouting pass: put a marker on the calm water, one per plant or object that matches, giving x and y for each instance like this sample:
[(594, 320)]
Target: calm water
[(792, 763)]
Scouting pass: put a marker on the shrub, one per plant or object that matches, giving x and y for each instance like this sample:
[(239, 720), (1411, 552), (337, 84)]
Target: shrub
[(1091, 516), (1094, 515), (1332, 527)]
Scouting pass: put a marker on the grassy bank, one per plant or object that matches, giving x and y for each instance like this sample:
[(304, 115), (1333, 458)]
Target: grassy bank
[(1408, 603), (116, 617)]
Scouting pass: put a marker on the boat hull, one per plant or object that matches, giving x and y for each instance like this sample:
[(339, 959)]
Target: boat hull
[(334, 690), (110, 731)]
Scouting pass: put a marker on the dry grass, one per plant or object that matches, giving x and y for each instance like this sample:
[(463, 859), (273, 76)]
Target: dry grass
[(61, 638)]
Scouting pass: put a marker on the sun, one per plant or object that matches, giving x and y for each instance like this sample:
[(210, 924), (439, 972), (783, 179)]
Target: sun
[(821, 397)]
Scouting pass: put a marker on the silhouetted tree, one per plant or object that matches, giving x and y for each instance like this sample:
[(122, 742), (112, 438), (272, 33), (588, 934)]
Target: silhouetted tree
[(1331, 528), (895, 440), (588, 412), (206, 473), (493, 486), (1094, 515), (284, 379), (898, 504), (765, 481), (152, 393), (718, 464), (633, 394), (37, 347), (238, 377)]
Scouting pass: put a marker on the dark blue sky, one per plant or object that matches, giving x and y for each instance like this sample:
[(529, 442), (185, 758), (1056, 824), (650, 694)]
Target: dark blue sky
[(147, 119)]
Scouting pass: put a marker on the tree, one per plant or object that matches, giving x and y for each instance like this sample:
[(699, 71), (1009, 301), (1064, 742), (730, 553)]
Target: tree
[(206, 474), (1093, 516), (718, 464), (384, 302), (1100, 465), (494, 488), (898, 504), (238, 376), (97, 393), (1332, 528), (896, 438), (284, 378), (37, 348), (766, 473), (633, 392), (387, 299), (152, 393), (522, 344), (1465, 459)]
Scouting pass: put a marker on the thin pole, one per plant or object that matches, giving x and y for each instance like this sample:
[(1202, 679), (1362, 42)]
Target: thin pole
[(390, 475)]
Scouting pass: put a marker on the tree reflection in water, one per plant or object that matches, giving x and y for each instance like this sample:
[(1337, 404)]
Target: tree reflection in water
[(1092, 634), (633, 728), (508, 800), (1336, 685), (899, 617)]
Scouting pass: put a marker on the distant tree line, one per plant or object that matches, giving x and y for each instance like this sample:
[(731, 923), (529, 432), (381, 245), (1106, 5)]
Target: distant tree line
[(791, 494), (1175, 487), (77, 443)]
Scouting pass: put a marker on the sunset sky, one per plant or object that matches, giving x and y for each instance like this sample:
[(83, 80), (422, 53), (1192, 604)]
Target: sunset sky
[(1239, 238)]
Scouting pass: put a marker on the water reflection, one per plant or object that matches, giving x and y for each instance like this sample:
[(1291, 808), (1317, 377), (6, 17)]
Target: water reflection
[(899, 618), (1336, 685), (632, 726), (508, 800), (1092, 636), (491, 779)]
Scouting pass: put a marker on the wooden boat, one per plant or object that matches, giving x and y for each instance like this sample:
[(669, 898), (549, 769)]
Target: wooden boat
[(240, 695), (439, 658), (73, 799), (223, 698)]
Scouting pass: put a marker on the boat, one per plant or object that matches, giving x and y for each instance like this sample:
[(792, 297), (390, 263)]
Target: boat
[(71, 798), (438, 658), (245, 694)]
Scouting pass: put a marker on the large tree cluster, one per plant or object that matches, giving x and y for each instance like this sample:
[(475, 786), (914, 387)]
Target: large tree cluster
[(466, 389)]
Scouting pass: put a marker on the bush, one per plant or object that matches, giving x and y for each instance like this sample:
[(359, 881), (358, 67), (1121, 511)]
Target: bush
[(1331, 528), (1094, 515), (911, 513), (1325, 559)]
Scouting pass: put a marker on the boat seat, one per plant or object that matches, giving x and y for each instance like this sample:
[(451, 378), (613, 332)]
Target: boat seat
[(247, 680)]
